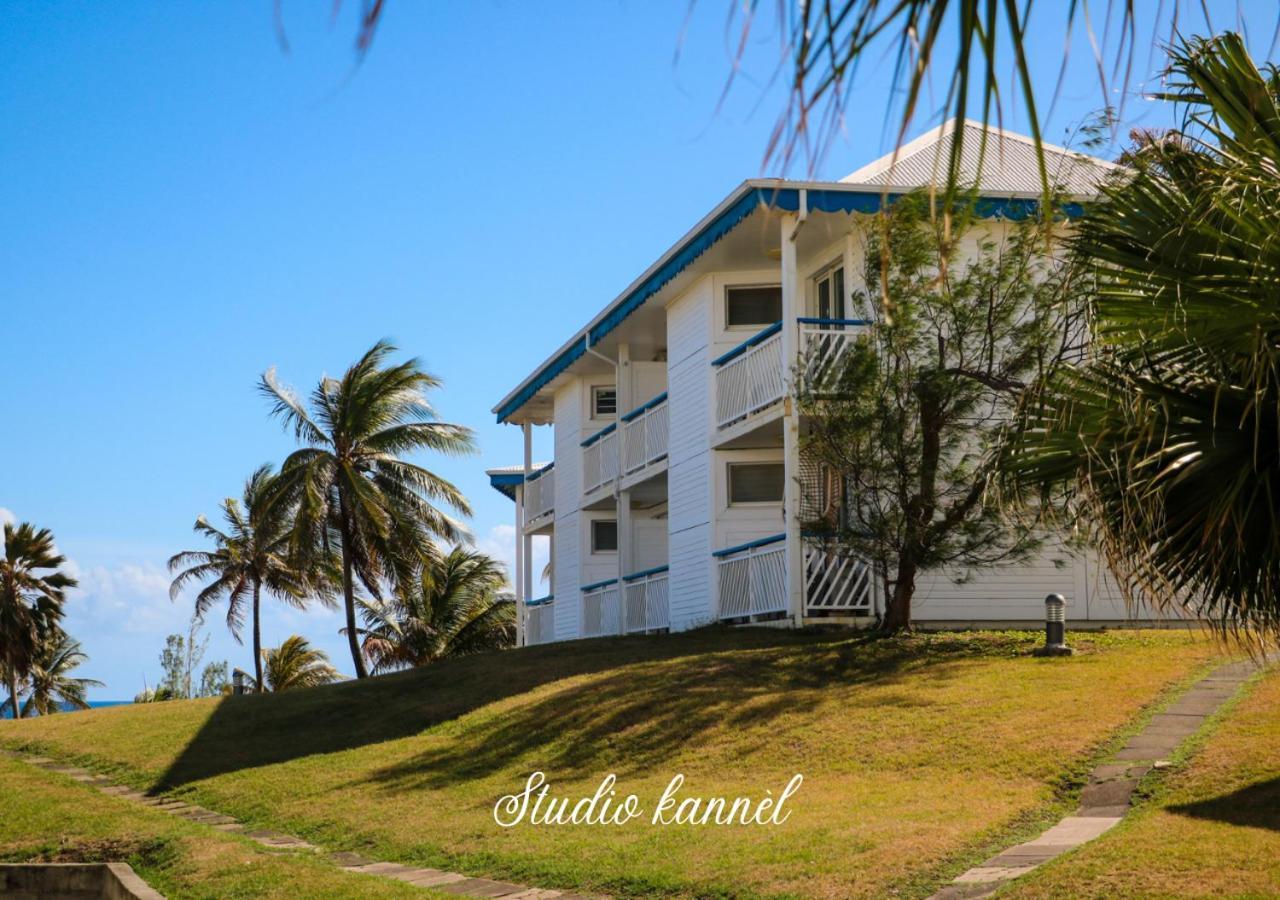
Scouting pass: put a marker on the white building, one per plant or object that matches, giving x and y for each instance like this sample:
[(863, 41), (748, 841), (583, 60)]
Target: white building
[(677, 488)]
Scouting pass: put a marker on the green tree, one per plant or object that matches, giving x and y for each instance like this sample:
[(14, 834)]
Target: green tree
[(250, 557), (173, 663), (214, 680), (296, 664), (32, 593), (451, 609), (1164, 443), (911, 420), (352, 484), (52, 687)]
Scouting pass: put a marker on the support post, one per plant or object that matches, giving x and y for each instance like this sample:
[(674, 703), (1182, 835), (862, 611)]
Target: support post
[(526, 540), (626, 402), (792, 309), (521, 599)]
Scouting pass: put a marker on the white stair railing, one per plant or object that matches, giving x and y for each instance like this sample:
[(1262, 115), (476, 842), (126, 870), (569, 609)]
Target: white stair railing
[(600, 459), (540, 493), (750, 377), (752, 578), (644, 435), (540, 621), (835, 582), (824, 344), (601, 609), (647, 600)]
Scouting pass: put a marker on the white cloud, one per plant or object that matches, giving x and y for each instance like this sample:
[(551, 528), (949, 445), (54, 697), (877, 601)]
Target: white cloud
[(131, 597), (500, 543), (7, 517)]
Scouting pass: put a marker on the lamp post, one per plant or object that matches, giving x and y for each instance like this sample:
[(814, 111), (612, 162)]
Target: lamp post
[(1055, 627)]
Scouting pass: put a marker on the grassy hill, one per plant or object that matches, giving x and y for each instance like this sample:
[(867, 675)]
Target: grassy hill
[(918, 754)]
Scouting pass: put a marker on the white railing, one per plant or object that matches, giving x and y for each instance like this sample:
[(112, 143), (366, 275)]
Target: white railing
[(601, 609), (644, 435), (540, 493), (647, 601), (835, 582), (750, 377), (824, 344), (600, 459), (540, 621), (752, 578)]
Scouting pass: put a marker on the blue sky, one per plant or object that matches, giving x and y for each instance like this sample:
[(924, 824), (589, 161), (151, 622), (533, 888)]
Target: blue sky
[(183, 204)]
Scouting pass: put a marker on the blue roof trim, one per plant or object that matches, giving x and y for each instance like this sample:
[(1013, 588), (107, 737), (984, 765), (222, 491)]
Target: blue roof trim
[(505, 483), (785, 199), (758, 337), (599, 434), (749, 545), (640, 410)]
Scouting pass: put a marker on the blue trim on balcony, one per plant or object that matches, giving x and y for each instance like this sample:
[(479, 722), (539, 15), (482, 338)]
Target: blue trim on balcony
[(636, 576), (598, 584), (599, 434), (534, 476), (641, 410), (749, 545), (757, 338), (541, 601), (811, 320)]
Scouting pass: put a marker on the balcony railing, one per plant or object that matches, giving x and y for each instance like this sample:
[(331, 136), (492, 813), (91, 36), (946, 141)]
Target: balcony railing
[(644, 435), (600, 459), (646, 600), (752, 578), (749, 377), (836, 583), (540, 621), (601, 609), (753, 375), (540, 493)]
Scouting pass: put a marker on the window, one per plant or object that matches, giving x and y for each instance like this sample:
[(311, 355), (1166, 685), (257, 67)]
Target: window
[(756, 482), (604, 402), (831, 294), (753, 307), (604, 536)]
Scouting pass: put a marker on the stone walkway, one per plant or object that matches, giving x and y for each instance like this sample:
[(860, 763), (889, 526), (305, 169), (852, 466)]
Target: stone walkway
[(1106, 797), (448, 882)]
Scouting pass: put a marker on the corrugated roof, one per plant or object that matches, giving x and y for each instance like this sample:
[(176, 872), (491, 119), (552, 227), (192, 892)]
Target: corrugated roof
[(1008, 163)]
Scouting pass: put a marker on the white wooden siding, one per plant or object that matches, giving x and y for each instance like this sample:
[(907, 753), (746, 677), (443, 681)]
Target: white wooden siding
[(565, 571)]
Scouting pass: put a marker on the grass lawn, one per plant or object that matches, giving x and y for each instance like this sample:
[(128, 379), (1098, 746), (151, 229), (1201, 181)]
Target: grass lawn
[(50, 818), (1210, 829), (920, 755)]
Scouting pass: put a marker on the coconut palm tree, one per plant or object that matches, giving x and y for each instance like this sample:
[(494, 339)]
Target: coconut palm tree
[(296, 664), (52, 686), (352, 484), (1166, 441), (250, 557), (452, 608), (32, 593)]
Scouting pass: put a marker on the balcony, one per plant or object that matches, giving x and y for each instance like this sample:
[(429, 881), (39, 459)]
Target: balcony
[(601, 609), (646, 601), (539, 497), (645, 436), (540, 621), (600, 459), (753, 376), (752, 581)]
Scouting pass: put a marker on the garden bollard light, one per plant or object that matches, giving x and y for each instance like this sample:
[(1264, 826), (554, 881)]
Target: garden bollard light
[(1055, 627)]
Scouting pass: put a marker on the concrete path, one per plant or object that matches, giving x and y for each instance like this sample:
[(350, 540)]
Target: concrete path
[(1105, 799), (448, 882)]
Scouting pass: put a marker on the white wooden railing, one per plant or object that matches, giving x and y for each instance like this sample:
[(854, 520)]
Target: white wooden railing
[(600, 459), (644, 435), (824, 344), (750, 377), (540, 621), (646, 601), (601, 609), (540, 493), (752, 578), (836, 583)]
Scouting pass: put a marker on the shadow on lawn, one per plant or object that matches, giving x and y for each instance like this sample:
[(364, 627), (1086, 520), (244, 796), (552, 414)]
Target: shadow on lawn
[(652, 696), (1255, 806)]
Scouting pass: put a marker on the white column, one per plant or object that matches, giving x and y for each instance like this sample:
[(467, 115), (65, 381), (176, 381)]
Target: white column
[(520, 566), (525, 539), (626, 402), (792, 307), (847, 262)]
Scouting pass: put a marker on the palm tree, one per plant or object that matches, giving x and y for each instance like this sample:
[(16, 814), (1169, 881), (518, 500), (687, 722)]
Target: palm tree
[(352, 485), (1166, 441), (296, 664), (52, 686), (250, 557), (32, 592), (451, 609)]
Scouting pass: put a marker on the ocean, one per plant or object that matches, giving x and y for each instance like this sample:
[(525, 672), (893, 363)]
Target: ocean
[(7, 712)]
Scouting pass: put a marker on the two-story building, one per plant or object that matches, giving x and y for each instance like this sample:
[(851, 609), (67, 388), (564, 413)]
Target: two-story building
[(677, 490)]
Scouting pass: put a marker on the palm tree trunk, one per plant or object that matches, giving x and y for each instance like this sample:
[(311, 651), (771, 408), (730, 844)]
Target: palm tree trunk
[(13, 694), (257, 635), (349, 596)]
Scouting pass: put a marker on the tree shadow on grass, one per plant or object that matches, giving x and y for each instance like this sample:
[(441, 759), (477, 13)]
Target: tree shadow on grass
[(1254, 806), (634, 720)]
